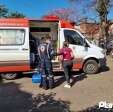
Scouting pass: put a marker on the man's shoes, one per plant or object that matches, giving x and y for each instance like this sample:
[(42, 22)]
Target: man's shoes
[(51, 82), (44, 83), (67, 86), (40, 86)]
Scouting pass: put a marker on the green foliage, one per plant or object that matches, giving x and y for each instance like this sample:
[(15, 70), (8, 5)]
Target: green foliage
[(16, 15), (5, 13)]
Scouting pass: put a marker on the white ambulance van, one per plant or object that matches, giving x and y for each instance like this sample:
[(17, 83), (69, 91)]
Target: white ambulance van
[(19, 39)]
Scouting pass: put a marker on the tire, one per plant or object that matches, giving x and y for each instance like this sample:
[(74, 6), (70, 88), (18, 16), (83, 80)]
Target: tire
[(91, 67), (111, 54), (9, 76)]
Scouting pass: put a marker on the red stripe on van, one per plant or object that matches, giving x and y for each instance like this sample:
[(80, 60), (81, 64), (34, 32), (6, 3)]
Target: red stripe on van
[(65, 24), (14, 68), (14, 22), (77, 66)]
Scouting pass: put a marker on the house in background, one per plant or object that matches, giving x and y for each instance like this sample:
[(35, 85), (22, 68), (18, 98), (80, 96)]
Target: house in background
[(89, 29), (111, 30)]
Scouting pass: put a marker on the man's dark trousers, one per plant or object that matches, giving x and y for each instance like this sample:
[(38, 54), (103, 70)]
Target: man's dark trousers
[(46, 69)]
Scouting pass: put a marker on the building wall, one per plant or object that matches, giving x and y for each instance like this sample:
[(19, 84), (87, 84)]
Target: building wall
[(90, 30)]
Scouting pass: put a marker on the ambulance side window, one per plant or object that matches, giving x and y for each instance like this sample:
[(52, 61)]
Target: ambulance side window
[(12, 37), (73, 37)]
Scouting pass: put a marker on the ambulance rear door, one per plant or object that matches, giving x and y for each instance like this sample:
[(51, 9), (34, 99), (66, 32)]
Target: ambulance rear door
[(14, 45)]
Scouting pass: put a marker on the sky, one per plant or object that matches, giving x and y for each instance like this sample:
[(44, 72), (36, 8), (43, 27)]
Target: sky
[(38, 8), (34, 8)]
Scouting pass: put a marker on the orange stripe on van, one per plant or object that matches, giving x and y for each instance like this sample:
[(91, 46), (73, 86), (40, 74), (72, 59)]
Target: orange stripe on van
[(14, 68)]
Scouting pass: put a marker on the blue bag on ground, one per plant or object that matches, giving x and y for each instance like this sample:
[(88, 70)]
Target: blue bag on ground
[(36, 78)]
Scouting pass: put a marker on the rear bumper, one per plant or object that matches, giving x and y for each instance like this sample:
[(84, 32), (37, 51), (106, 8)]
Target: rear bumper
[(102, 62)]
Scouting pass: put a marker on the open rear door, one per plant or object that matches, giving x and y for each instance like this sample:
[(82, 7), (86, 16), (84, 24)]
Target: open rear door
[(14, 45)]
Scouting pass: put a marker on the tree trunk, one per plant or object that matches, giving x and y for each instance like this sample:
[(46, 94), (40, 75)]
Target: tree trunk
[(103, 31)]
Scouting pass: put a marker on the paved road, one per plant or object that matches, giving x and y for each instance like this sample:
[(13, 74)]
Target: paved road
[(21, 95)]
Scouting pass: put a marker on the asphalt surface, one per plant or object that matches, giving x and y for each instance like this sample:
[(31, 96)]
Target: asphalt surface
[(21, 95)]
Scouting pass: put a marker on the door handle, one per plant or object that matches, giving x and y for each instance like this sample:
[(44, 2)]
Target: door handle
[(24, 49)]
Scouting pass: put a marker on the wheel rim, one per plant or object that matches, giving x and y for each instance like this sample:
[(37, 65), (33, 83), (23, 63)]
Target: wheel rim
[(90, 67), (9, 75)]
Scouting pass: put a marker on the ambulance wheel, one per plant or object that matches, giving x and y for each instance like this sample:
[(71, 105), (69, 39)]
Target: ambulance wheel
[(9, 76), (91, 67)]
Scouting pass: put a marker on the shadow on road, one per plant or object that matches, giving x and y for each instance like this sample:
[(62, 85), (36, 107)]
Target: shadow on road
[(104, 69), (78, 77), (47, 103), (96, 108), (59, 81), (13, 99)]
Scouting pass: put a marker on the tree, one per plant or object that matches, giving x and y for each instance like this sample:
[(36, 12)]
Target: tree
[(102, 7), (66, 14), (61, 13), (16, 15), (83, 6), (3, 11)]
